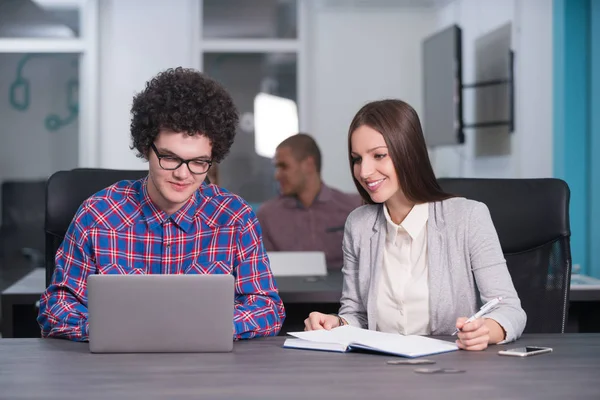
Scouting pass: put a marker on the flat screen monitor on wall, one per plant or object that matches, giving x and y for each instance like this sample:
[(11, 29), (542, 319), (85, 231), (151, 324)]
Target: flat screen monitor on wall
[(442, 88)]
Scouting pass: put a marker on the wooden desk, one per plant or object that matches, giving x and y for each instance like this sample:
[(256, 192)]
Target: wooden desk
[(262, 369)]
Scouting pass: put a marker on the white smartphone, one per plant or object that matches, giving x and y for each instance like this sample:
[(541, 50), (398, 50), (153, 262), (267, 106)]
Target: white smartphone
[(525, 351)]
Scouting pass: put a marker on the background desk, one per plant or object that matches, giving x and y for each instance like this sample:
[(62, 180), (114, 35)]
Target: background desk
[(584, 307), (328, 289), (313, 290), (261, 369), (18, 303), (300, 295)]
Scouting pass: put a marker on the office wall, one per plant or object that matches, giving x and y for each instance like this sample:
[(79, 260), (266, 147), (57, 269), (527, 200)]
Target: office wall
[(576, 127), (28, 149), (358, 54), (594, 221), (355, 54), (136, 42), (530, 146)]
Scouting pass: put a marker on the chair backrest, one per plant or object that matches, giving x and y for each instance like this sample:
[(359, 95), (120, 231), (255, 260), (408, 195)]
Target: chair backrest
[(23, 202), (531, 217), (65, 192), (22, 225)]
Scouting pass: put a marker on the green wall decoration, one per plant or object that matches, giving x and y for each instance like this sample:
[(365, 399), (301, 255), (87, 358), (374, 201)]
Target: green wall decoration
[(20, 95)]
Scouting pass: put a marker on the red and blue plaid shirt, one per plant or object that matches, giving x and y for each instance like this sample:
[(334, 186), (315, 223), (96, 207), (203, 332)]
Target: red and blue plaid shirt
[(120, 231)]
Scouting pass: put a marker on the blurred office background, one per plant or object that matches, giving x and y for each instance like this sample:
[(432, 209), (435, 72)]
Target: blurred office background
[(69, 69)]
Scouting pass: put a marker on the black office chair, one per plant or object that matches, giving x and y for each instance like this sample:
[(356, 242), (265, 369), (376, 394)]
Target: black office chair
[(65, 192), (22, 227), (531, 217)]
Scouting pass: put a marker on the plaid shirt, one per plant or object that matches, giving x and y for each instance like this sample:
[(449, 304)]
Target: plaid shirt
[(120, 231)]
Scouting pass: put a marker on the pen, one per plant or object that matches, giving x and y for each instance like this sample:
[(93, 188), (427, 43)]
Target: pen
[(482, 311)]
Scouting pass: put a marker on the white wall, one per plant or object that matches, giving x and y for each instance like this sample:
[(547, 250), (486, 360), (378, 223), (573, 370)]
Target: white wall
[(138, 39), (28, 150), (531, 143), (356, 55), (534, 90), (357, 52)]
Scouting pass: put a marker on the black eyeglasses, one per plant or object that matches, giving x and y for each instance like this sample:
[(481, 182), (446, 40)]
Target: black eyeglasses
[(171, 163)]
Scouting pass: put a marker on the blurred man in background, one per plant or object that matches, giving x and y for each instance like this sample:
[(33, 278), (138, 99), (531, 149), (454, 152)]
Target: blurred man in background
[(308, 215)]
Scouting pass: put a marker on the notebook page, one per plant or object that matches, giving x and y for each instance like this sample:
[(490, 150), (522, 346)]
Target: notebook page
[(343, 335), (310, 345), (393, 343), (409, 346)]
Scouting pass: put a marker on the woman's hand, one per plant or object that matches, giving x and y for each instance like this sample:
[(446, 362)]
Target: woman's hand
[(474, 335), (317, 320), (478, 334)]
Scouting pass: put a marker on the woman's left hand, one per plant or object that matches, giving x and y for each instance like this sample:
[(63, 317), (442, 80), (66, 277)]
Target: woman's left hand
[(474, 335)]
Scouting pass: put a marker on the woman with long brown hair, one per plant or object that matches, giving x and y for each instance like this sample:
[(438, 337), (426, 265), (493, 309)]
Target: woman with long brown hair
[(417, 260)]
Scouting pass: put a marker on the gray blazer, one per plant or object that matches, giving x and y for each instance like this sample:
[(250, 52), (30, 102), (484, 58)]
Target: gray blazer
[(465, 262)]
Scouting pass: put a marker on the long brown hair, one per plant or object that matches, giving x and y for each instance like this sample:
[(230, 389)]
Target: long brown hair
[(401, 129)]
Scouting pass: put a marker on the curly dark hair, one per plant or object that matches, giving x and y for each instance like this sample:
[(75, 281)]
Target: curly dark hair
[(184, 100)]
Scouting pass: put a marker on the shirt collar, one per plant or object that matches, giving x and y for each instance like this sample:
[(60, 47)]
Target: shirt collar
[(414, 222), (324, 195), (183, 218)]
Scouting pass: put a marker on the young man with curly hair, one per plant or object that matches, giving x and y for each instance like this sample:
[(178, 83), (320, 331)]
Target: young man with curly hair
[(170, 222)]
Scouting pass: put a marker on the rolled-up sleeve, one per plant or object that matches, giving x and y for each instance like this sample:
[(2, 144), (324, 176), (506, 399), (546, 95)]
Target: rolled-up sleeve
[(63, 306), (259, 310)]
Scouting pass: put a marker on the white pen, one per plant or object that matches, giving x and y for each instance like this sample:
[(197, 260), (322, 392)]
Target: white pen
[(482, 311)]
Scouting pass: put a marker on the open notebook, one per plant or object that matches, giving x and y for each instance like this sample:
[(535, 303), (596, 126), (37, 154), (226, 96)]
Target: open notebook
[(346, 338)]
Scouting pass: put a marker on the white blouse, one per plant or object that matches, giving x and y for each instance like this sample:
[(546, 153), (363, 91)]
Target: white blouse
[(403, 300)]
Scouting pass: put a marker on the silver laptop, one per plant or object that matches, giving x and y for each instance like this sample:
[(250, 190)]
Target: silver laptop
[(160, 313), (297, 263)]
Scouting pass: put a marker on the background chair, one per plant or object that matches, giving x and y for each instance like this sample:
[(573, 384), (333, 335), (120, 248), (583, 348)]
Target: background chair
[(531, 217), (65, 192), (21, 242), (22, 227)]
